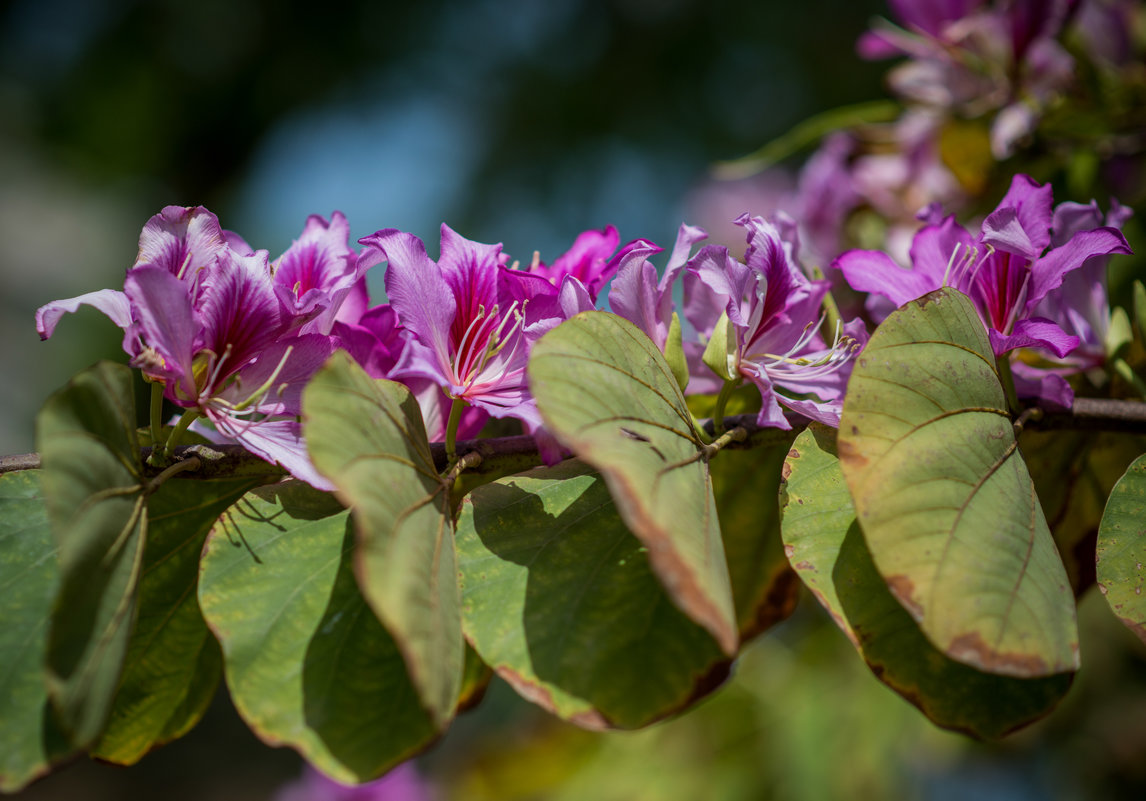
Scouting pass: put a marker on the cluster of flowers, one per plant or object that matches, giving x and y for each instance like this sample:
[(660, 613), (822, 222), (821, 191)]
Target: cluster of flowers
[(976, 79), (233, 337)]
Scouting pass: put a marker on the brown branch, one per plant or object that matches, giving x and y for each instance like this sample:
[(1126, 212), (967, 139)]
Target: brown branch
[(1093, 414), (514, 454)]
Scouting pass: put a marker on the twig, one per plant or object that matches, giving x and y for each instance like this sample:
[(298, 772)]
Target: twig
[(513, 454)]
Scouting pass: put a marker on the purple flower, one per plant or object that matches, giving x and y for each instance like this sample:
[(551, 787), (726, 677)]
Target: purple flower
[(590, 261), (401, 784), (1007, 270), (636, 293), (464, 320), (375, 340), (201, 317), (973, 59), (774, 314)]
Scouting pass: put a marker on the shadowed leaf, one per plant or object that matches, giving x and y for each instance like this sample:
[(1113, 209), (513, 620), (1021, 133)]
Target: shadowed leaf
[(828, 551), (307, 662), (94, 492), (173, 663), (944, 498), (747, 483), (30, 741), (1122, 549), (367, 437), (606, 392), (559, 598)]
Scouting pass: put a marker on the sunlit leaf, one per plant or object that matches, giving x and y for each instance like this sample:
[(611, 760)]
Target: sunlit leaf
[(94, 492), (307, 662), (1122, 549), (945, 501), (29, 739), (173, 663), (828, 551), (560, 600), (764, 588), (607, 394), (367, 436)]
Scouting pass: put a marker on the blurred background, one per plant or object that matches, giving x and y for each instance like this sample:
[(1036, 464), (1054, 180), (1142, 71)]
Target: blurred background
[(514, 121)]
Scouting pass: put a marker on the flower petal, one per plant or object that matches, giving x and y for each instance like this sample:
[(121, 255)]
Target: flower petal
[(181, 240), (1048, 272), (417, 291), (111, 302), (1034, 332), (875, 272), (168, 325)]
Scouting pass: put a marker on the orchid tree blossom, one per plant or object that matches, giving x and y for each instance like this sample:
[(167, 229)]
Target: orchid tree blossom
[(770, 313), (463, 321), (971, 57), (590, 261), (375, 340), (204, 324), (1007, 270), (638, 295)]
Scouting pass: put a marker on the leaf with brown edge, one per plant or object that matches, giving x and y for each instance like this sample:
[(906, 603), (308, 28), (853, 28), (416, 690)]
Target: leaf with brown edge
[(828, 552), (605, 391), (368, 438), (560, 600), (945, 501), (1122, 549)]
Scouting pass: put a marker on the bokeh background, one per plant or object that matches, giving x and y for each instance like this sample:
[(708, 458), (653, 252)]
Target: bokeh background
[(515, 121)]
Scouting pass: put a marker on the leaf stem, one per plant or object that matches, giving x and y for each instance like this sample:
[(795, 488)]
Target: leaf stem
[(156, 413), (721, 402), (452, 430), (186, 420), (1003, 365), (186, 464)]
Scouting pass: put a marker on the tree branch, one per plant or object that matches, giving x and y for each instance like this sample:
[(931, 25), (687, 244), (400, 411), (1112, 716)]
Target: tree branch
[(513, 454)]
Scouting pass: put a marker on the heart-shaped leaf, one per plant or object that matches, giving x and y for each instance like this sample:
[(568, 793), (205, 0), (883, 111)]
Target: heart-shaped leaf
[(560, 600), (367, 437), (826, 548), (307, 662), (173, 663), (95, 495), (29, 739), (944, 498), (1122, 549), (607, 394)]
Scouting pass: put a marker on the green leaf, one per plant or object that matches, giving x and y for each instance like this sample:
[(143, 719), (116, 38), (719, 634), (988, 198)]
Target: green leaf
[(30, 740), (944, 498), (828, 551), (1122, 549), (606, 392), (720, 350), (560, 600), (764, 587), (674, 353), (173, 663), (307, 663), (367, 437), (1119, 335), (94, 492)]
